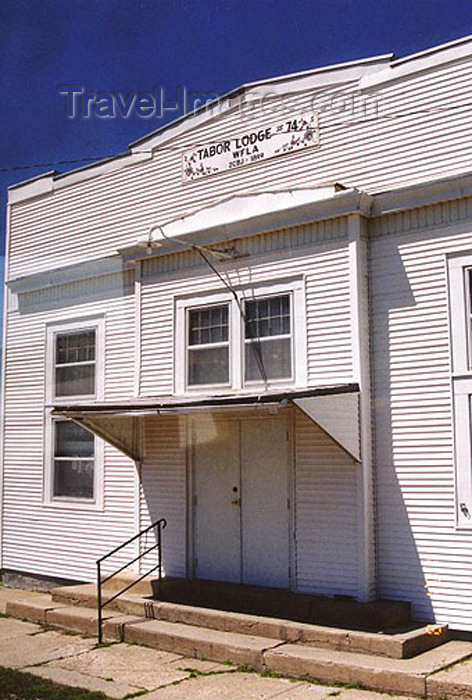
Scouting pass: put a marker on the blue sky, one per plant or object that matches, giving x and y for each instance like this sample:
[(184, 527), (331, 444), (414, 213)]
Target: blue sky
[(208, 46)]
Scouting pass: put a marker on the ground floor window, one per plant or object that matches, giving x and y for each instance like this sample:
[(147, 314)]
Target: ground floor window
[(460, 312), (73, 461)]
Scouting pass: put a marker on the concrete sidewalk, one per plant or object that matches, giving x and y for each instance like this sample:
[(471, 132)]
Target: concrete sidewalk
[(121, 670)]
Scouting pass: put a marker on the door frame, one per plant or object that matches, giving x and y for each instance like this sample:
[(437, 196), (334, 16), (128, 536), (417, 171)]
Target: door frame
[(191, 421)]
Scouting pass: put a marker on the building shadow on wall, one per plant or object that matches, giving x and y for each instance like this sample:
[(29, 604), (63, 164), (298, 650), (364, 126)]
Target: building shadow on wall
[(81, 292), (163, 485), (401, 469)]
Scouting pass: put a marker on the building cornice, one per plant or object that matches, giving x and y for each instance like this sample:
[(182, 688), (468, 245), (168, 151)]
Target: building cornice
[(250, 215), (405, 209)]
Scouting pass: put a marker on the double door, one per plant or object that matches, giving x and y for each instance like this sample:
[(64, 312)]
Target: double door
[(240, 500)]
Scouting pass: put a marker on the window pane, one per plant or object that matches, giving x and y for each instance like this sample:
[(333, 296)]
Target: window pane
[(77, 380), (71, 440), (469, 282), (75, 347), (73, 478), (208, 366), (267, 317), (276, 359), (208, 325)]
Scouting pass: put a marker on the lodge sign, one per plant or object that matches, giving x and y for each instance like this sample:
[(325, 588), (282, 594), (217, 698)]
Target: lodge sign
[(284, 137)]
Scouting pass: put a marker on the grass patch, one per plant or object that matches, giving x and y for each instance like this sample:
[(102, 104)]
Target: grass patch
[(243, 668), (349, 686), (196, 673), (267, 673), (16, 685)]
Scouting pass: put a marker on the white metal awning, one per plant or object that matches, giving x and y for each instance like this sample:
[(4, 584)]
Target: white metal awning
[(335, 409), (338, 416)]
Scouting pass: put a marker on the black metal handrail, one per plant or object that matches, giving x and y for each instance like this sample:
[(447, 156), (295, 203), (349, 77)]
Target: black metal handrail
[(160, 524)]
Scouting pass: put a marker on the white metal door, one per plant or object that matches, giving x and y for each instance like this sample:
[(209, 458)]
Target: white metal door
[(240, 501), (216, 512), (264, 498)]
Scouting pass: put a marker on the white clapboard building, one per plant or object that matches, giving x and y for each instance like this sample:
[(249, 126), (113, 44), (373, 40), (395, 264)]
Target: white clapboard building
[(256, 324)]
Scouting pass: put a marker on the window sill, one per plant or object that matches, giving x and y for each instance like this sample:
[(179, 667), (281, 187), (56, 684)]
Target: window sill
[(56, 400), (66, 504), (249, 388)]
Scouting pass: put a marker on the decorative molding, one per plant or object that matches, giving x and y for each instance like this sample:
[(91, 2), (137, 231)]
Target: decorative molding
[(422, 218), (288, 239), (77, 292), (68, 274)]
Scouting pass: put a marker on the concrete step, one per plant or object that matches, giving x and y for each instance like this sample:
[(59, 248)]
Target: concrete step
[(337, 611), (405, 676), (146, 587), (201, 642), (454, 682), (32, 609), (398, 646), (257, 651), (83, 620)]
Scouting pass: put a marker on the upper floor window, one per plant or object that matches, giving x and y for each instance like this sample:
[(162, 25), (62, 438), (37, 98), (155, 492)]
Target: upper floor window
[(208, 345), (74, 371), (258, 339), (268, 338), (75, 360)]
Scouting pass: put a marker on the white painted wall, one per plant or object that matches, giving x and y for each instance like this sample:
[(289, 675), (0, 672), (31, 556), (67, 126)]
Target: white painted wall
[(407, 143), (49, 540), (422, 556), (325, 498), (324, 265), (163, 492), (326, 513)]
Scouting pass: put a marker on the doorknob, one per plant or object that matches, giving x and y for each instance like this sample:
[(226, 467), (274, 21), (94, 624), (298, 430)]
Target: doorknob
[(236, 501)]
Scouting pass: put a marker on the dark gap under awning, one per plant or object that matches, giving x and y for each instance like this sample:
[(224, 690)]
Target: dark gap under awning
[(335, 409)]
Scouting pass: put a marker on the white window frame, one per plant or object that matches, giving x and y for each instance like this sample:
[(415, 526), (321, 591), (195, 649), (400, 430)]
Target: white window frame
[(246, 342), (461, 384), (96, 323), (296, 290), (227, 343)]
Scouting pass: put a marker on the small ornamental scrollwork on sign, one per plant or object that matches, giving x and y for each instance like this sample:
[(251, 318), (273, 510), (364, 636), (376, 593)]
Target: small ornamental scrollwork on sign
[(288, 136), (303, 134)]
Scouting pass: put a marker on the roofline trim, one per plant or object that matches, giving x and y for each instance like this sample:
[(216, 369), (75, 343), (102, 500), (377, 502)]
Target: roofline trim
[(423, 61), (203, 114), (259, 83), (432, 50)]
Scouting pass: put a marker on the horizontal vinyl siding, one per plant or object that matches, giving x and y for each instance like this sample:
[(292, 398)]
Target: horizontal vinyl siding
[(422, 557), (46, 540), (325, 501), (326, 513), (325, 269), (163, 491), (421, 133)]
